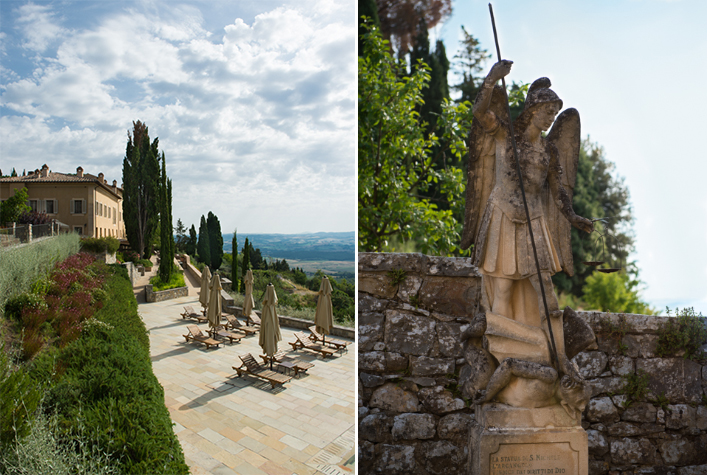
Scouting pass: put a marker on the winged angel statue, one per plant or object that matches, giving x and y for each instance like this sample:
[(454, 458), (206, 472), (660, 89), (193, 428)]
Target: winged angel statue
[(516, 331)]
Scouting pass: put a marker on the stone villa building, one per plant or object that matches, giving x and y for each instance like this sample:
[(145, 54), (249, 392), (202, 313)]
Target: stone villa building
[(84, 202)]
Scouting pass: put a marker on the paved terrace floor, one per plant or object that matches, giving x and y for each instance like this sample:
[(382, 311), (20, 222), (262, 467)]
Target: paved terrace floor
[(231, 425)]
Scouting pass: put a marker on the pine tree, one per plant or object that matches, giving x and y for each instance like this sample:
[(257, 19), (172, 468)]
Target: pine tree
[(181, 238), (216, 241), (203, 243)]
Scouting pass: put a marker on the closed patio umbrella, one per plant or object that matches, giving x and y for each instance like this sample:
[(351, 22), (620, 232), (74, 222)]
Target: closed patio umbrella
[(205, 288), (248, 297), (324, 308), (214, 309), (270, 331)]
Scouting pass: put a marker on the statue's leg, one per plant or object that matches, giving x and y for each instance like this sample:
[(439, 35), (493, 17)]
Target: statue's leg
[(555, 313), (502, 296), (515, 367)]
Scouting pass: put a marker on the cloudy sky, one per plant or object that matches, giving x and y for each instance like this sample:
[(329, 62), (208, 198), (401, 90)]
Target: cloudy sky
[(253, 101), (637, 72)]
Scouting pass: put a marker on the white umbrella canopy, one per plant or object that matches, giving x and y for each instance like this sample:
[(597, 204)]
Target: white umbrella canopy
[(205, 287), (214, 309), (324, 308), (270, 331), (248, 297)]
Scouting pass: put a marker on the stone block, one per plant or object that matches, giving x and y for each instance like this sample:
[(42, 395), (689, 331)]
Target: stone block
[(680, 416), (598, 467), (693, 470), (606, 385), (442, 457), (449, 335), (409, 288), (454, 426), (408, 333), (396, 362), (440, 401), (369, 304), (680, 380), (370, 330), (413, 426), (376, 284), (701, 418), (602, 410), (450, 267), (631, 451), (390, 397), (371, 361), (639, 412), (644, 346), (394, 459), (591, 363), (621, 365), (422, 381), (365, 454), (376, 428), (598, 445), (677, 451), (381, 261), (455, 297), (627, 429), (425, 366), (371, 380)]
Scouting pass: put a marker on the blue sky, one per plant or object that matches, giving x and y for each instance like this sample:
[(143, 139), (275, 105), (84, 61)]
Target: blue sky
[(253, 101), (637, 72)]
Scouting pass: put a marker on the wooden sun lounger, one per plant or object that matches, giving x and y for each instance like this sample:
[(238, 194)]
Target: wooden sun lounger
[(335, 343), (190, 313), (253, 319), (284, 361), (250, 366), (223, 332), (233, 322), (195, 334), (302, 341)]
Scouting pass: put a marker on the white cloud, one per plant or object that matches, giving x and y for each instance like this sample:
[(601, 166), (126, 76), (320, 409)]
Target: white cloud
[(38, 25)]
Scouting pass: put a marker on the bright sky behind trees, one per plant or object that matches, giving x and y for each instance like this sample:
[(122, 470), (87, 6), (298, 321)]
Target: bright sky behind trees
[(253, 101), (637, 72)]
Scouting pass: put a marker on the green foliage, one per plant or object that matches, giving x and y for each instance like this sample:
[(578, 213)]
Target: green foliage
[(191, 246), (141, 189), (14, 306), (617, 331), (107, 385), (14, 206), (395, 157), (181, 238), (598, 193), (19, 398), (177, 279), (687, 332), (216, 242), (635, 387), (661, 401), (98, 245), (235, 263), (468, 64), (20, 267), (246, 259), (396, 276), (167, 243), (203, 243), (616, 292)]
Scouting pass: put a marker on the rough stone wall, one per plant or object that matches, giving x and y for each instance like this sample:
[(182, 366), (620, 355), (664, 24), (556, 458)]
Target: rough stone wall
[(162, 295), (413, 420)]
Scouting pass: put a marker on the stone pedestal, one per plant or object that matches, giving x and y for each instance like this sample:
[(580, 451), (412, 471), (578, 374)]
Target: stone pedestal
[(507, 440)]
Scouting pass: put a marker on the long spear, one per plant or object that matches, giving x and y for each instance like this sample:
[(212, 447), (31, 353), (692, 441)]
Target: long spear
[(525, 203)]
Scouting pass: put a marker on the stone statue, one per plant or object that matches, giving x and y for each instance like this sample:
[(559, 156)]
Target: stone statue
[(514, 329)]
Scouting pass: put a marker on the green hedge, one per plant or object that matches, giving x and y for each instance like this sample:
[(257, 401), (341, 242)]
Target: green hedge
[(98, 245), (105, 381)]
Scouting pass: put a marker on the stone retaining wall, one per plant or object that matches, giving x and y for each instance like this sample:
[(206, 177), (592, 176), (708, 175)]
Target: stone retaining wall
[(293, 322), (412, 419), (161, 295)]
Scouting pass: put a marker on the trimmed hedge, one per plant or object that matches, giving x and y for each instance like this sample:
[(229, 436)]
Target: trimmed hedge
[(105, 382), (98, 245)]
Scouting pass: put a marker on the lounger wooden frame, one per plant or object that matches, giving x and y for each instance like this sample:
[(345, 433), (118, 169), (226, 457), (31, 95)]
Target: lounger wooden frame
[(223, 332), (233, 322), (190, 313), (195, 334), (302, 341), (298, 366), (335, 343), (251, 366)]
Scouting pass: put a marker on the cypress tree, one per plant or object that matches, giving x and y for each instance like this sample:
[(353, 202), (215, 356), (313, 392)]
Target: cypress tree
[(166, 262), (246, 262), (191, 247), (235, 263), (214, 229), (203, 243)]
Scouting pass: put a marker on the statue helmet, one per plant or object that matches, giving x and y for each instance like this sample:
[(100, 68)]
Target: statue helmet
[(539, 92)]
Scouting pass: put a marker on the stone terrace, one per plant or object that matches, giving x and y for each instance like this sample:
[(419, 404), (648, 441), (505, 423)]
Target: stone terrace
[(231, 425)]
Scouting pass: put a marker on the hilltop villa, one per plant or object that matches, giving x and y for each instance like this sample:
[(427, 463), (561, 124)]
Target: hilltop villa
[(86, 203)]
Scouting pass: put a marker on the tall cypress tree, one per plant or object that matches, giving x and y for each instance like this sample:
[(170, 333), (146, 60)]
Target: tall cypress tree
[(191, 246), (216, 241), (203, 243), (246, 262), (141, 189), (166, 228), (235, 263)]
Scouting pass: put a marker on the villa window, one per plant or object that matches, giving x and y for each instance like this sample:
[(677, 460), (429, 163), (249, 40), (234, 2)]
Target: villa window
[(34, 204), (50, 206), (78, 206)]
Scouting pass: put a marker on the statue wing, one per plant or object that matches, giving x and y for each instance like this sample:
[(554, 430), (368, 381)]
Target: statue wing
[(480, 171), (565, 137)]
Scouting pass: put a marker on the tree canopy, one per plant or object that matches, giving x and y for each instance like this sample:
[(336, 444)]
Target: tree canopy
[(14, 206), (216, 241)]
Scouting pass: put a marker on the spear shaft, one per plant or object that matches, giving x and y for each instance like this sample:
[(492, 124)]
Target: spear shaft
[(525, 203)]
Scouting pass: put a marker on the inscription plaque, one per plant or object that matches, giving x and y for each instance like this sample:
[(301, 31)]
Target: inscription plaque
[(534, 459)]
